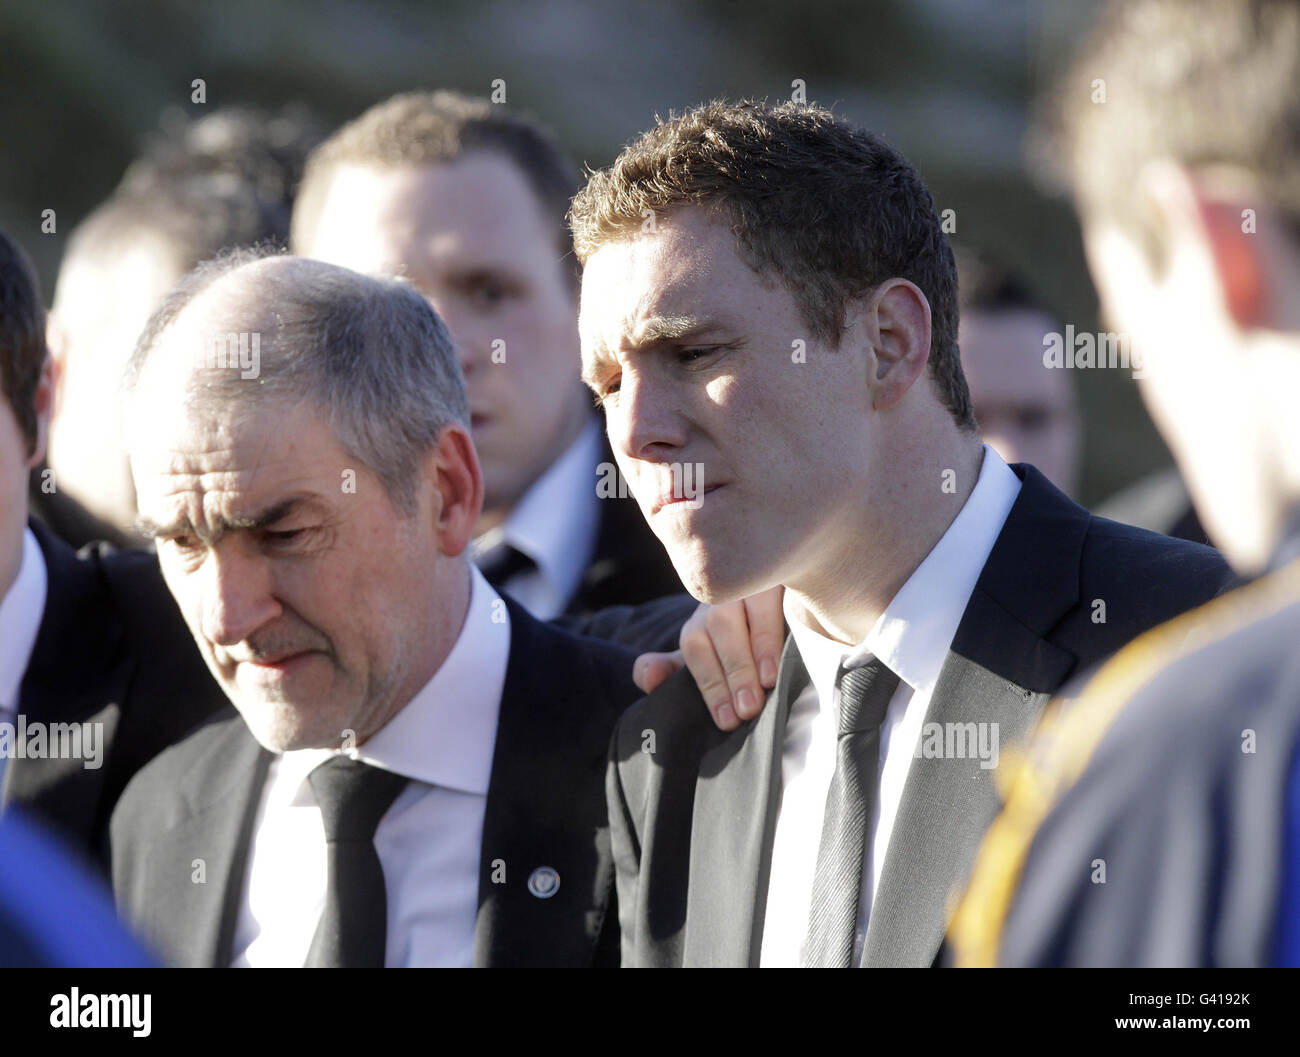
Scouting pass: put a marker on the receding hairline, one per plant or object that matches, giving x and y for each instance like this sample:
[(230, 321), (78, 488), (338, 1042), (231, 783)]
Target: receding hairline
[(255, 285)]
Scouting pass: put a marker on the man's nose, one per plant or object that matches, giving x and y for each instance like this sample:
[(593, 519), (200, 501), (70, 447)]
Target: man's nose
[(236, 595), (644, 421), (472, 344)]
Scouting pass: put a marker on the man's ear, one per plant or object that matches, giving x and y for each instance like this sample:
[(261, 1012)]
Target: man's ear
[(1216, 207), (453, 469), (896, 321), (1239, 261), (56, 338), (44, 401)]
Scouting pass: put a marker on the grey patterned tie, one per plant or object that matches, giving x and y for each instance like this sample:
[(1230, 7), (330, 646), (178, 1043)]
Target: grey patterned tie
[(865, 693), (353, 928)]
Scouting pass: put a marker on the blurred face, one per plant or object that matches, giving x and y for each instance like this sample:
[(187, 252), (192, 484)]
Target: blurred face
[(101, 308), (1216, 329), (471, 235), (1026, 411), (317, 609), (691, 353)]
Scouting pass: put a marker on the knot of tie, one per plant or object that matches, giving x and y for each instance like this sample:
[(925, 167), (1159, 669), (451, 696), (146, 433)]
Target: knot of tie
[(353, 797), (865, 693)]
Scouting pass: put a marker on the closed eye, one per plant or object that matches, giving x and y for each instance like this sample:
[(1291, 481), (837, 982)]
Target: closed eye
[(602, 391), (696, 355), (287, 537)]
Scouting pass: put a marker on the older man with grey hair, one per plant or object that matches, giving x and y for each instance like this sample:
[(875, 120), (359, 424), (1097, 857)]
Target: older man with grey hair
[(414, 776)]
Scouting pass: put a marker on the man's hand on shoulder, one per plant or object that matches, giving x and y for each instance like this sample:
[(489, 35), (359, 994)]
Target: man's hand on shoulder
[(732, 652)]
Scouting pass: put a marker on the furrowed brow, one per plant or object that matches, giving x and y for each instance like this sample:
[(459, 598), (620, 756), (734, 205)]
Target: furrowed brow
[(269, 516), (184, 527), (656, 330)]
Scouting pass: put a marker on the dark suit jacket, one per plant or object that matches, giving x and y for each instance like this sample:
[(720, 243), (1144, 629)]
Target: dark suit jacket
[(692, 821), (112, 649), (545, 806)]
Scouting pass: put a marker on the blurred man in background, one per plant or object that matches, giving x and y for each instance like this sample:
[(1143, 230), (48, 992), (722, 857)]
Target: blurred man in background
[(1157, 822), (468, 202), (224, 180), (1026, 412)]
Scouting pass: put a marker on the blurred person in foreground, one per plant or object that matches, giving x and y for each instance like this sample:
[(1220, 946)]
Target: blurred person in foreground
[(786, 326), (467, 201), (1156, 821), (54, 913)]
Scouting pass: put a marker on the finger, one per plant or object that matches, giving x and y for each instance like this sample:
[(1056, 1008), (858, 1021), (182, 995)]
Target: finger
[(702, 660), (651, 669), (728, 629), (766, 621)]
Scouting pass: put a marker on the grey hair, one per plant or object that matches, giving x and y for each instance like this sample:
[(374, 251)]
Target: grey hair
[(369, 351)]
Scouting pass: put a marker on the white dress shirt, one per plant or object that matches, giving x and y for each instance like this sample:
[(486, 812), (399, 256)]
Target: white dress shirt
[(21, 610), (555, 523), (428, 842), (911, 637)]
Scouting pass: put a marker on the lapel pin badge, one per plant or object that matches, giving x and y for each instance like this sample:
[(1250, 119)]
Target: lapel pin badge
[(543, 882)]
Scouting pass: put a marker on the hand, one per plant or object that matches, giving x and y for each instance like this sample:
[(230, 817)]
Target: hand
[(732, 652)]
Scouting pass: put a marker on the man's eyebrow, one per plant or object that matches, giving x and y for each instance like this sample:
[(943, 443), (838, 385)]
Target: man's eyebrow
[(656, 329), (652, 331), (269, 516)]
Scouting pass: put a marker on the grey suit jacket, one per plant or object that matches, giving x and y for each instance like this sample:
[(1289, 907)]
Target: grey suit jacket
[(692, 820)]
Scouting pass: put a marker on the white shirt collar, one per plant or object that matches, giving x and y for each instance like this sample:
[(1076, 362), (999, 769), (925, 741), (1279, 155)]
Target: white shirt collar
[(556, 521), (914, 632), (21, 611), (446, 735)]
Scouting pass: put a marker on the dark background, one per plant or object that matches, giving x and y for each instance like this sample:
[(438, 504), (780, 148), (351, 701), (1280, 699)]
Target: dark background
[(949, 82)]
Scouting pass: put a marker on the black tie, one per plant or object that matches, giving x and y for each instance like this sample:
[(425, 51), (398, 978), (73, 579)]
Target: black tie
[(837, 886), (503, 563), (353, 927)]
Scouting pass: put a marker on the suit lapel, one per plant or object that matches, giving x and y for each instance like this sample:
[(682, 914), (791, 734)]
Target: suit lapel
[(999, 669), (78, 673), (946, 805), (196, 918), (736, 798), (545, 817)]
